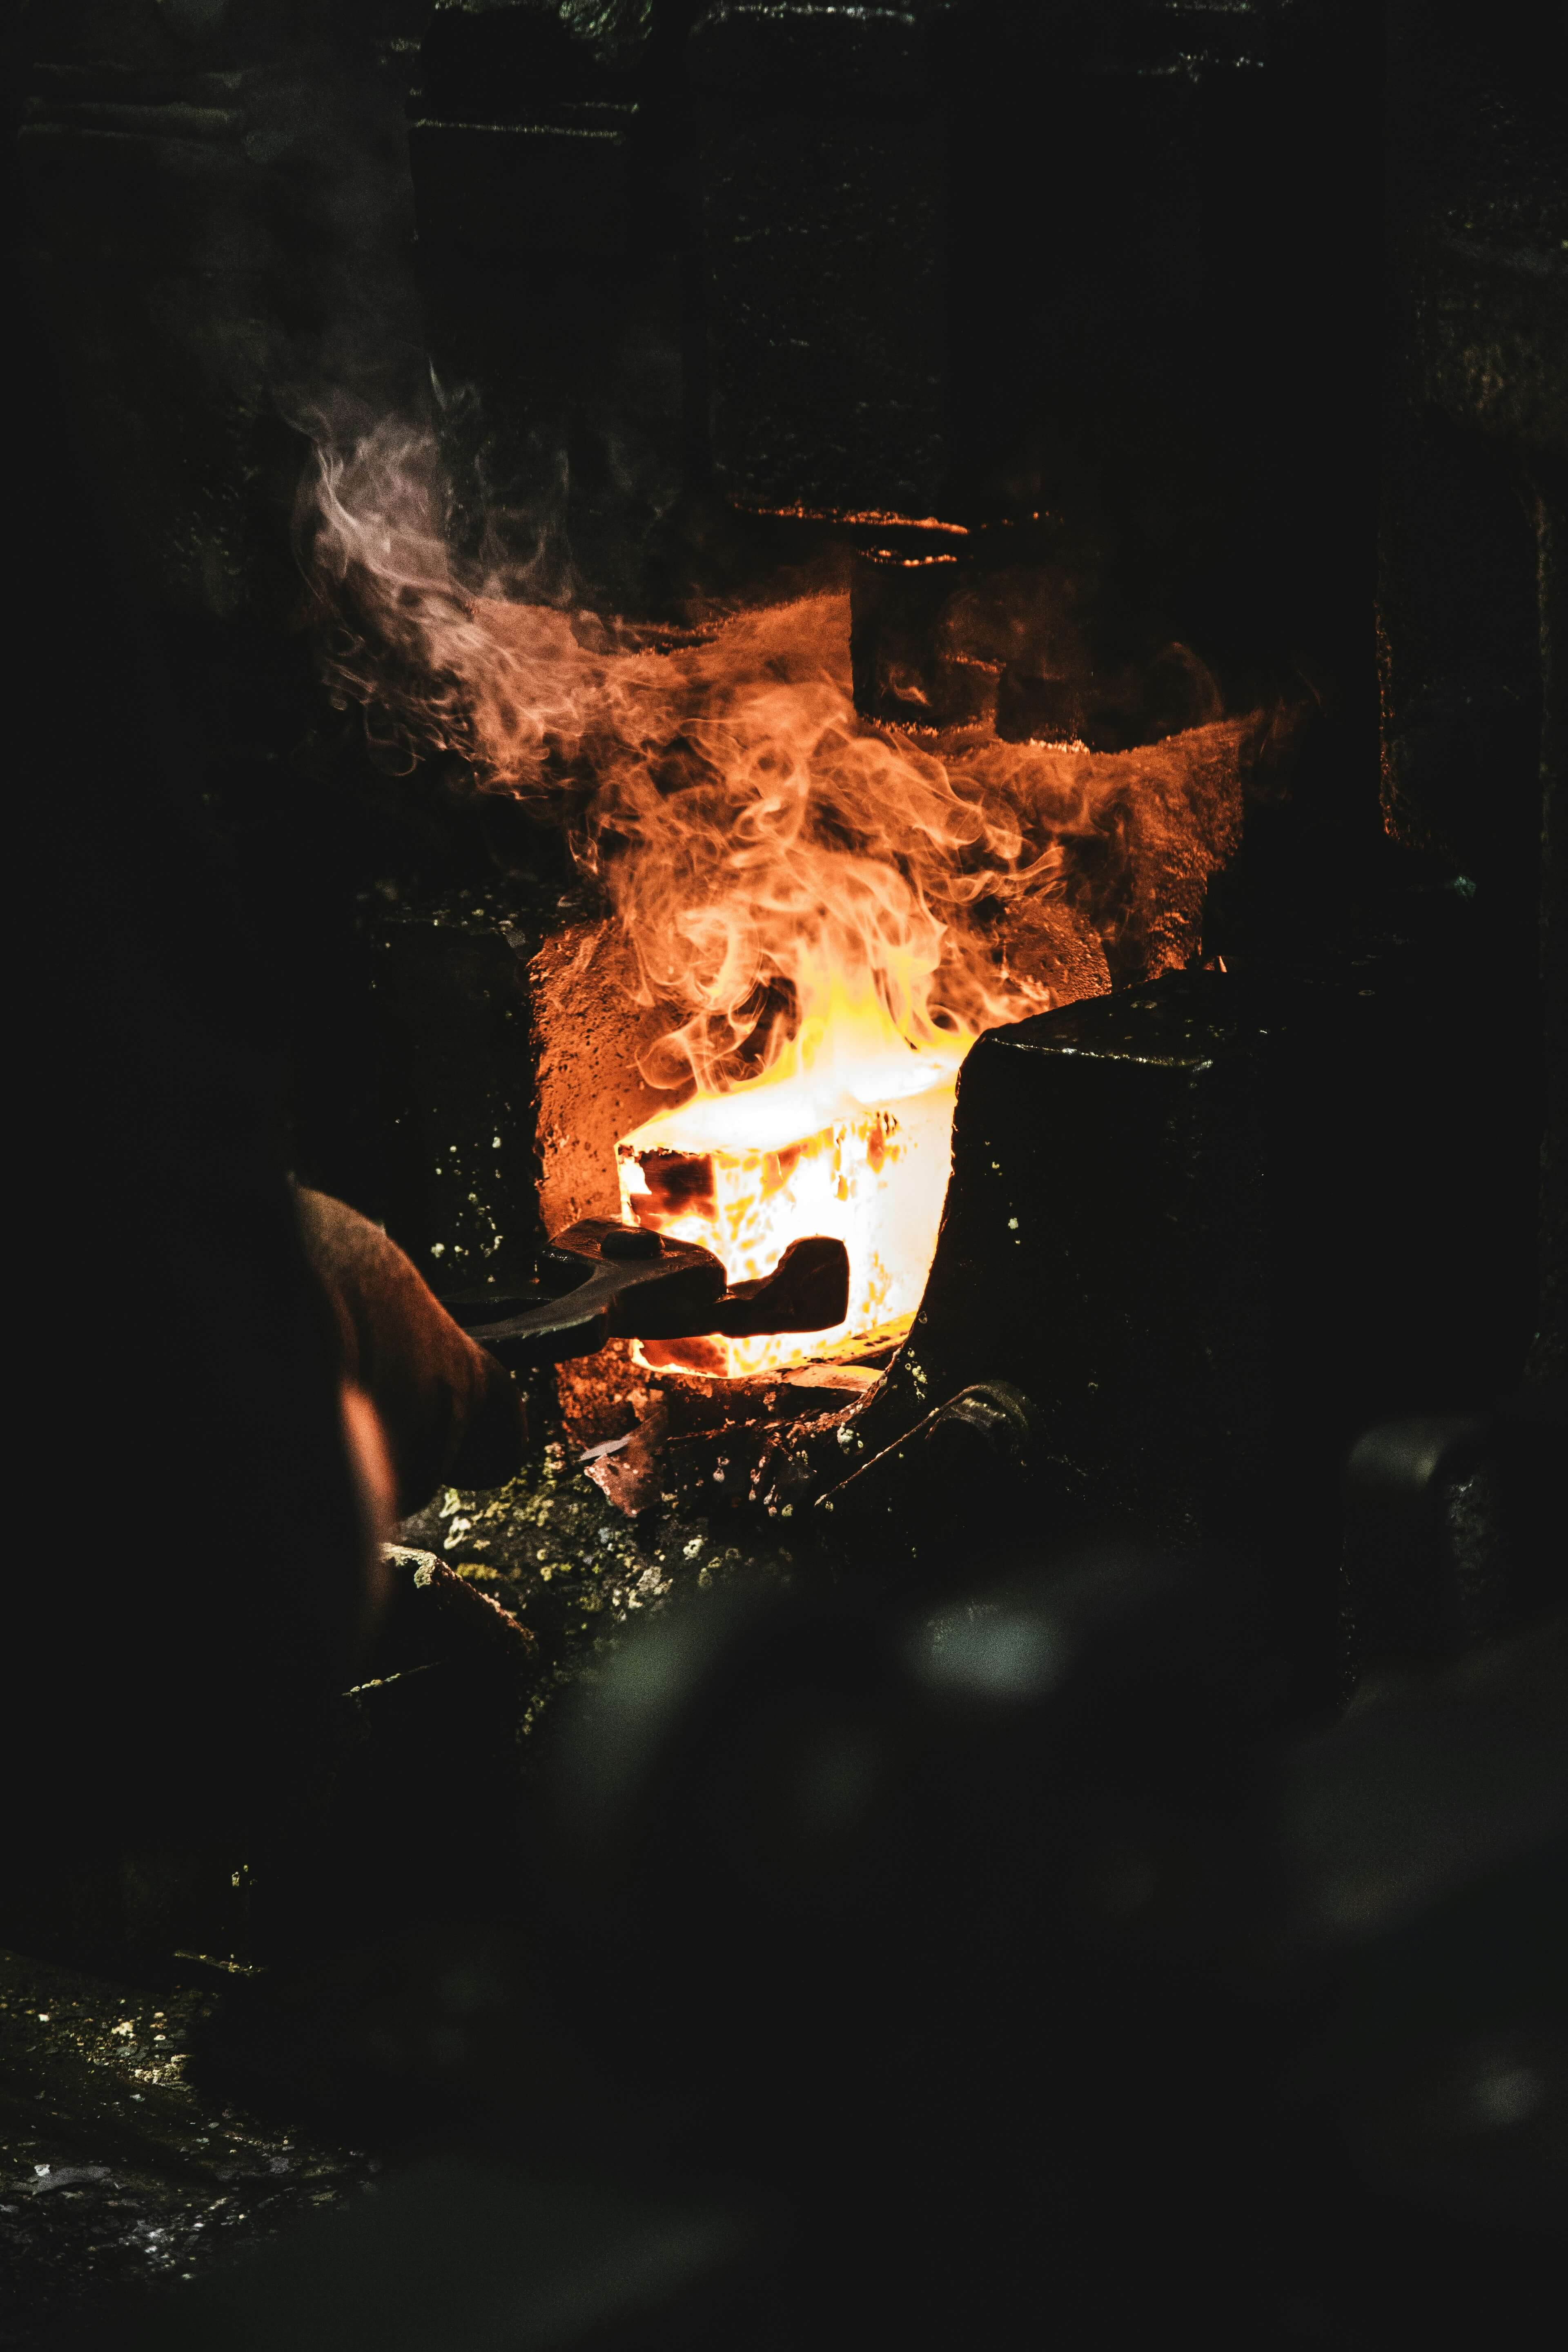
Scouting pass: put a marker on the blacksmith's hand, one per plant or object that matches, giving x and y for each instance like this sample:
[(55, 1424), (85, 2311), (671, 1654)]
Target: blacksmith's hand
[(449, 1413)]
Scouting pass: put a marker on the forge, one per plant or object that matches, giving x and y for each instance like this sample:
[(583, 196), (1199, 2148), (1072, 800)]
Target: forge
[(1005, 879), (806, 917)]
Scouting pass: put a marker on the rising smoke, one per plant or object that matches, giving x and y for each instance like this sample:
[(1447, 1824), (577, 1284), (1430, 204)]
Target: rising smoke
[(781, 869)]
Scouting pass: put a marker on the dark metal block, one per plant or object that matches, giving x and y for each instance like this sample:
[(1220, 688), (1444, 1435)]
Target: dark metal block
[(1211, 1229), (1105, 1249), (826, 312), (855, 59), (915, 1500), (824, 173), (496, 188), (477, 57)]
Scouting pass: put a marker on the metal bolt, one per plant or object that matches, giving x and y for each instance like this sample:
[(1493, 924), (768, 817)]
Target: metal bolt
[(631, 1241)]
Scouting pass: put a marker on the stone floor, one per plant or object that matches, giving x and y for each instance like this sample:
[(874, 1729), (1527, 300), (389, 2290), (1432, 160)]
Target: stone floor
[(118, 2175)]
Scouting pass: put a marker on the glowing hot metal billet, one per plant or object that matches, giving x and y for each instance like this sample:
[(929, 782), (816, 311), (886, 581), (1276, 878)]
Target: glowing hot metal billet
[(743, 1174)]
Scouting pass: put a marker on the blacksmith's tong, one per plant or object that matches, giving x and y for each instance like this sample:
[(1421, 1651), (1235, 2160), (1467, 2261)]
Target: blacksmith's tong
[(600, 1280)]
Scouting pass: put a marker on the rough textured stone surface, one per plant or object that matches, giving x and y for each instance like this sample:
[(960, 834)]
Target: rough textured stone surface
[(459, 1053), (117, 2175), (557, 1551), (591, 1093)]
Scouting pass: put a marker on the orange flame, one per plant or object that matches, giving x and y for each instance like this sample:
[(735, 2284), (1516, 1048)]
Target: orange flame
[(832, 912)]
